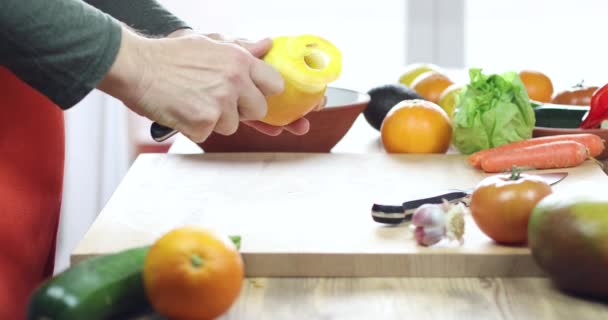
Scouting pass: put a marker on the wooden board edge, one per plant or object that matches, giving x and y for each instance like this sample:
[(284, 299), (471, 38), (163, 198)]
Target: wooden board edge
[(389, 265), (271, 265)]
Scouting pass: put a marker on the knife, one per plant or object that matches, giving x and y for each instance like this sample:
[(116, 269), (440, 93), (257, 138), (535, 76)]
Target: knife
[(161, 133), (396, 214)]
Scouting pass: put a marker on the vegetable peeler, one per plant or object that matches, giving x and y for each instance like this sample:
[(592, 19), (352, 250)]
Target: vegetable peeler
[(396, 214)]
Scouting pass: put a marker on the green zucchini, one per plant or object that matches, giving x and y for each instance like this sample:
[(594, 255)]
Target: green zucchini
[(559, 116), (103, 287)]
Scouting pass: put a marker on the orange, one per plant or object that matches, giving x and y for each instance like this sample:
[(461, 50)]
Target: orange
[(416, 126), (447, 99), (538, 85), (431, 84), (412, 71), (192, 273)]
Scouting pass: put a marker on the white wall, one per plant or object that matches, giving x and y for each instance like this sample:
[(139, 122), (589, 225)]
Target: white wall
[(96, 160), (370, 34), (563, 38)]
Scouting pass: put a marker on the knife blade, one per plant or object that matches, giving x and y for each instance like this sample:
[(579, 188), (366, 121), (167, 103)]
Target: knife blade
[(396, 214)]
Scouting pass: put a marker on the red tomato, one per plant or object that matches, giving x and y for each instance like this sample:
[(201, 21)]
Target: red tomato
[(501, 205), (578, 96)]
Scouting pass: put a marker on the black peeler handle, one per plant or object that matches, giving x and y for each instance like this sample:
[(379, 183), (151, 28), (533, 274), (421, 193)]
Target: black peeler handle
[(161, 133), (450, 196), (396, 214)]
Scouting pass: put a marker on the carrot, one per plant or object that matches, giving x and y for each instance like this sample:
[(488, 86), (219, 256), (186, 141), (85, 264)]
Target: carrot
[(593, 142), (556, 154)]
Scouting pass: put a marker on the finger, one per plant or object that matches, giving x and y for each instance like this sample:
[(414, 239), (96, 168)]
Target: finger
[(251, 103), (264, 128), (299, 127), (228, 123), (197, 134), (198, 123), (256, 48), (266, 78)]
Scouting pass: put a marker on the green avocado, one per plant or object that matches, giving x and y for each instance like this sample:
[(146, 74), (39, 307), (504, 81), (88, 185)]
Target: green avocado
[(383, 98), (568, 237)]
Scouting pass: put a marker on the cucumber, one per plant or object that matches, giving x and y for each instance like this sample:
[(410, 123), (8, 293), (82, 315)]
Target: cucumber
[(103, 287), (559, 116)]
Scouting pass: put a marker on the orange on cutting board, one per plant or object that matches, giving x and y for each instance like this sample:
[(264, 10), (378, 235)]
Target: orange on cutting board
[(416, 126), (431, 84), (538, 85), (192, 273)]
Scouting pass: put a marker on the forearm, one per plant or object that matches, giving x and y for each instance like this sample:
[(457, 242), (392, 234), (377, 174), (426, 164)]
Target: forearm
[(124, 78), (62, 48), (147, 17), (130, 74)]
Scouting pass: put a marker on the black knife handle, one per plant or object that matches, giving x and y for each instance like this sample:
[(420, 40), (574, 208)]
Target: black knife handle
[(392, 214), (161, 133), (388, 214), (450, 196)]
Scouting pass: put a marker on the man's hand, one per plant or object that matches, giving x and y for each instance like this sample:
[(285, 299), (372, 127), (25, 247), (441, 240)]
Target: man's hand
[(298, 127), (193, 83)]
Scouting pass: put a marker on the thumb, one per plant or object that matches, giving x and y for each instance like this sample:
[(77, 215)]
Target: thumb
[(257, 48)]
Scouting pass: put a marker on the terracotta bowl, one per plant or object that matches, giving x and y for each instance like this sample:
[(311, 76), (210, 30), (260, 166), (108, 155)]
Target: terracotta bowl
[(551, 131), (327, 128)]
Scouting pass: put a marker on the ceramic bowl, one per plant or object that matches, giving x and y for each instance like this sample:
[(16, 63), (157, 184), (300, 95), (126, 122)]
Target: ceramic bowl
[(327, 128), (541, 131)]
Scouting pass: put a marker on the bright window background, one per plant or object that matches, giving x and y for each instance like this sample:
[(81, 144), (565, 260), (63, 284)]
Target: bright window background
[(371, 35), (563, 38)]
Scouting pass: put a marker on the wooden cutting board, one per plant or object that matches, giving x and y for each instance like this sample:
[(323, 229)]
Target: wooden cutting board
[(307, 214)]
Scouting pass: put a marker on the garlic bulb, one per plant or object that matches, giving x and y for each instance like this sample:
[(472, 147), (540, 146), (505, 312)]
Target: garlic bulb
[(434, 222)]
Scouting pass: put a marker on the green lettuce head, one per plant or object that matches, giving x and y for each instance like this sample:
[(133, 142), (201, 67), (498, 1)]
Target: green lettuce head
[(492, 110)]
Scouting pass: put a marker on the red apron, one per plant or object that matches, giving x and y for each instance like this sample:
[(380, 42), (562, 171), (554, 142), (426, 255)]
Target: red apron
[(31, 181)]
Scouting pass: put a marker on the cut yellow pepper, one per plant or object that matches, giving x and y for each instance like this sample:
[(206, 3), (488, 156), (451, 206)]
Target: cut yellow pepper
[(307, 64)]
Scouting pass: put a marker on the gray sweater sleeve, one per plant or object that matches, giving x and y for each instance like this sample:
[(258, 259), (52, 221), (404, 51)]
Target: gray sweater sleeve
[(144, 16), (62, 48)]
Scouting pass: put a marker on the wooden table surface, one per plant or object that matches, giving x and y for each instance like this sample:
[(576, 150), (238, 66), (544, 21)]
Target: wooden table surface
[(408, 298), (402, 298)]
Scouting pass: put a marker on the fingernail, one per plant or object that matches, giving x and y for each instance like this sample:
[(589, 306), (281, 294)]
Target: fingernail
[(275, 133)]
